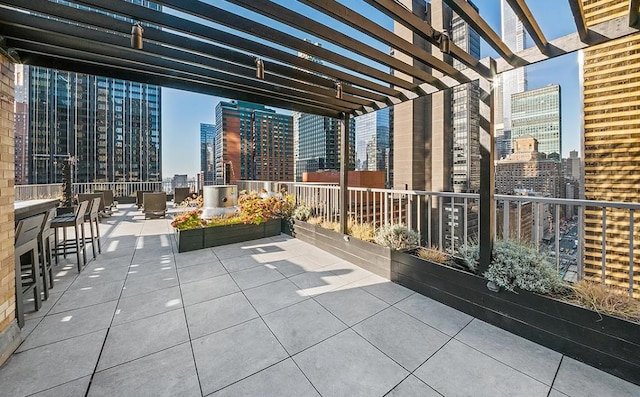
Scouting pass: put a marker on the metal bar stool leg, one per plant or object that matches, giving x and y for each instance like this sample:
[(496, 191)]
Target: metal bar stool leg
[(19, 297), (97, 221), (78, 248)]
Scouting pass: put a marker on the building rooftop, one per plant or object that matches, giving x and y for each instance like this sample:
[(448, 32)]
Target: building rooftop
[(268, 317)]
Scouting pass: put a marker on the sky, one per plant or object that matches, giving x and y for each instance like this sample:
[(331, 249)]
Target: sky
[(182, 112)]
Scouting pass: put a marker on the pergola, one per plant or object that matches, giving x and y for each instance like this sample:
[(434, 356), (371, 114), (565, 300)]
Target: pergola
[(218, 52)]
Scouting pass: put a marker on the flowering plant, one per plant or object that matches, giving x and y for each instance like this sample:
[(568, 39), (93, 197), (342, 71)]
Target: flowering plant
[(189, 220)]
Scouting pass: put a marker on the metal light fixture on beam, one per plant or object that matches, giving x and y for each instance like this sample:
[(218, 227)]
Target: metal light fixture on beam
[(136, 36), (444, 43), (338, 90), (259, 69)]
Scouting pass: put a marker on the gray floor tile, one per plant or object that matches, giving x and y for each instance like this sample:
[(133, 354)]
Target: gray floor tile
[(88, 296), (99, 275), (403, 338), (283, 380), (30, 313), (208, 289), (235, 353), (531, 358), (257, 276), (230, 251), (351, 305), (555, 393), (168, 373), (193, 273), (439, 316), (139, 338), (29, 326), (270, 297), (458, 370), (147, 305), (295, 265), (55, 364), (141, 269), (197, 257), (75, 388), (348, 271), (317, 282), (347, 365), (57, 327), (238, 263), (384, 289), (302, 325), (412, 387), (220, 313), (577, 379), (152, 282)]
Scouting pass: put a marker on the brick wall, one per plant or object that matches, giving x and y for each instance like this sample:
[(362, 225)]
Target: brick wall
[(7, 229)]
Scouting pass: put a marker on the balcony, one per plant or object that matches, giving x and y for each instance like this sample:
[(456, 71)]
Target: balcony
[(275, 316)]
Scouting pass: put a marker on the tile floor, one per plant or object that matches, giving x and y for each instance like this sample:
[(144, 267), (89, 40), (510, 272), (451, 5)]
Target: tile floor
[(272, 317)]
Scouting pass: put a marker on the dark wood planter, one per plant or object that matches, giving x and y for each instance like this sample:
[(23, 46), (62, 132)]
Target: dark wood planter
[(189, 240), (369, 256), (221, 235), (605, 342)]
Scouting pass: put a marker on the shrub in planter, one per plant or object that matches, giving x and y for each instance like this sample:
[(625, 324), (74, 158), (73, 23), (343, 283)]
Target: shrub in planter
[(432, 255), (189, 220), (363, 231), (397, 237), (470, 254), (302, 212), (605, 299), (515, 265)]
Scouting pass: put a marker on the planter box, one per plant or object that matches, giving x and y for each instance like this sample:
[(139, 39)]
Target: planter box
[(369, 256), (189, 240), (221, 235), (605, 342)]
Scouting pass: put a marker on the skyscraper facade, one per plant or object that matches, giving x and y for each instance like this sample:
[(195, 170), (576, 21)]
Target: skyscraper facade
[(252, 142), (111, 127), (465, 114), (372, 141), (537, 113), (21, 124), (318, 139), (611, 147), (207, 167), (514, 81)]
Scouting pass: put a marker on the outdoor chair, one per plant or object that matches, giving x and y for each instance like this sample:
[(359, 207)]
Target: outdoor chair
[(71, 246), (93, 218), (90, 196), (46, 242), (139, 197), (180, 194), (109, 202), (27, 275), (155, 204)]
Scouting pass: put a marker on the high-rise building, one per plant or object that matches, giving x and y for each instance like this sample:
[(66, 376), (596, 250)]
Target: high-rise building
[(372, 141), (207, 166), (318, 139), (514, 81), (465, 113), (21, 124), (528, 170), (110, 127), (573, 166), (611, 146), (537, 113), (252, 142)]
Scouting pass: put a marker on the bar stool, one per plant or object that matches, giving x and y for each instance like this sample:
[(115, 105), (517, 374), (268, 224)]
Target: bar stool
[(77, 222), (93, 217), (27, 276), (46, 242)]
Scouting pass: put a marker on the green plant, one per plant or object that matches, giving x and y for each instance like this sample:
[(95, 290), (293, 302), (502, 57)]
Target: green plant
[(302, 212), (605, 299), (189, 220), (432, 255), (397, 236), (335, 226), (470, 254), (255, 209), (515, 265), (283, 205)]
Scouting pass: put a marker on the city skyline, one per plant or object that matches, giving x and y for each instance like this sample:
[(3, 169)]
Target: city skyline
[(183, 111)]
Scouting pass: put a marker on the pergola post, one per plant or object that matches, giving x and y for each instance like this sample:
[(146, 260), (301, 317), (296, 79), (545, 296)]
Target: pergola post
[(487, 174), (344, 171)]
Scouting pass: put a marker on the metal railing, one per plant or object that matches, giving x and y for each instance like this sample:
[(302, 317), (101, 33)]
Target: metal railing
[(52, 191), (446, 221)]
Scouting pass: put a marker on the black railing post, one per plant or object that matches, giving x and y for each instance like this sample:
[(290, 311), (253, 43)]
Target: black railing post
[(344, 171), (487, 174)]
